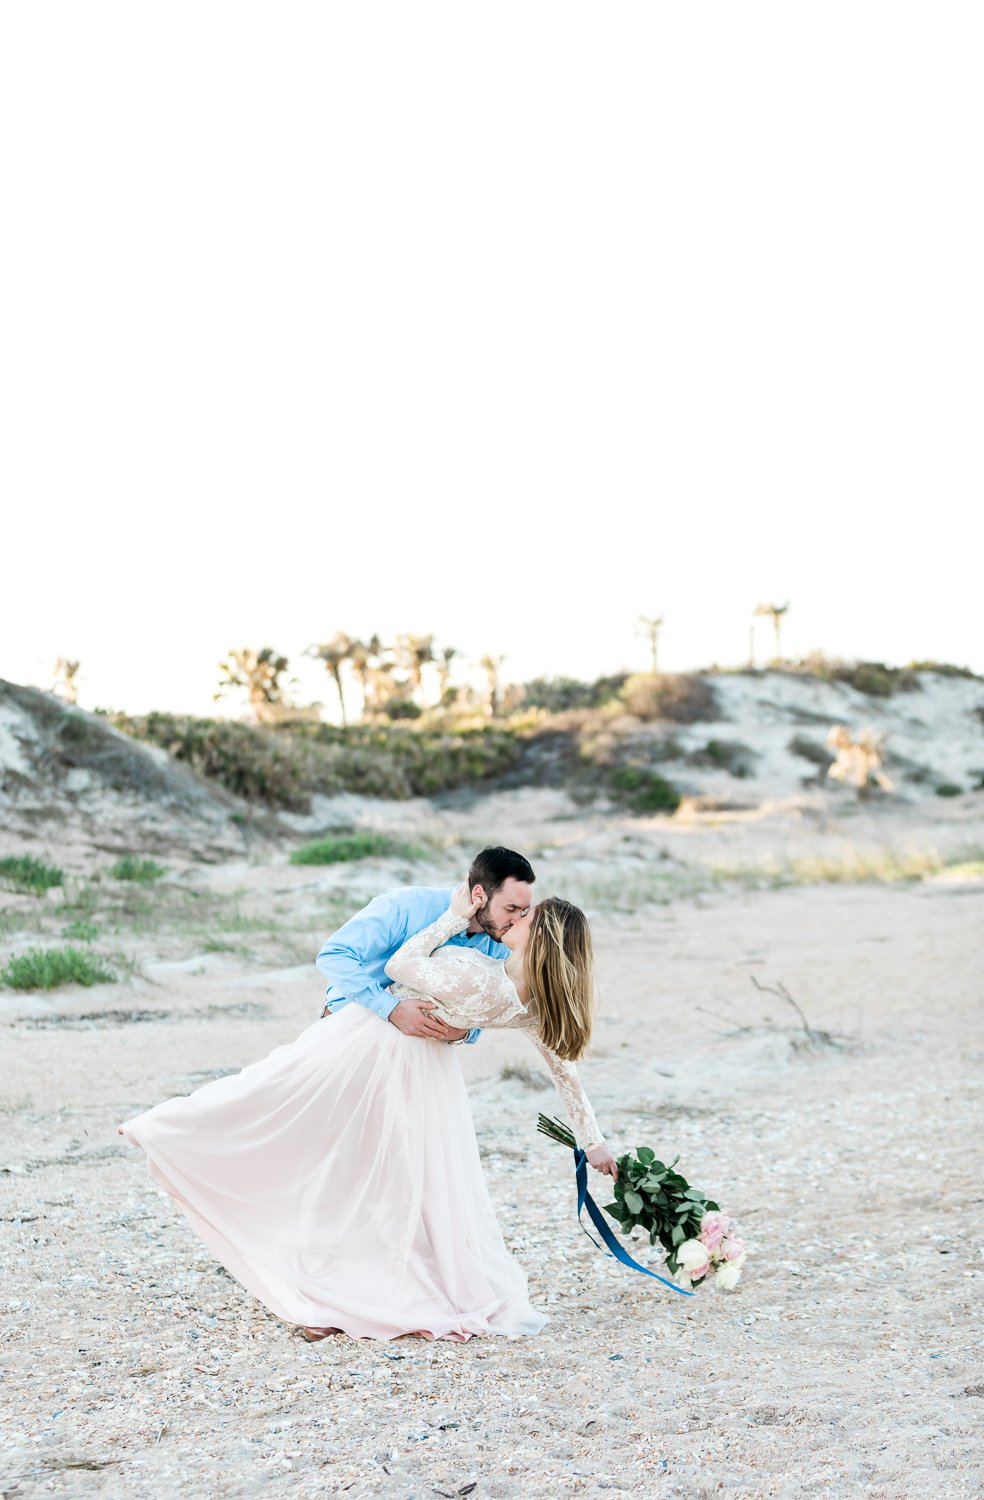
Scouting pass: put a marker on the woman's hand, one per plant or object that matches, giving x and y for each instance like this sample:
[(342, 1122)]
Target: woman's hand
[(603, 1161), (461, 901)]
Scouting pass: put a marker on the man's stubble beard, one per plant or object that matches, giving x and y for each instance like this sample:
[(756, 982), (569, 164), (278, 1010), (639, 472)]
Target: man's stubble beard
[(484, 921)]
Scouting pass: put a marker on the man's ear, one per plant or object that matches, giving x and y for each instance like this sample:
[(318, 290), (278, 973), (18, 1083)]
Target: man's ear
[(478, 894)]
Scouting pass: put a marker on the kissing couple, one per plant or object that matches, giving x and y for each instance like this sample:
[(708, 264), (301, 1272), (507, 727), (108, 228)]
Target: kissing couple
[(338, 1179)]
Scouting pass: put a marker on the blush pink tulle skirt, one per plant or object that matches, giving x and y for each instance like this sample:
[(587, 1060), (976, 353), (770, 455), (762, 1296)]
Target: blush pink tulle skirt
[(339, 1180)]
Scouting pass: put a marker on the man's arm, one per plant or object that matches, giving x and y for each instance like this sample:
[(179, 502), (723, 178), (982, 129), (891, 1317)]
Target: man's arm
[(377, 930)]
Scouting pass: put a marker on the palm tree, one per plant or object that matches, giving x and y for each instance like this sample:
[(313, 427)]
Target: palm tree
[(381, 685), (491, 665), (334, 654), (773, 612), (652, 628), (444, 660), (259, 674), (66, 679), (361, 659), (413, 652)]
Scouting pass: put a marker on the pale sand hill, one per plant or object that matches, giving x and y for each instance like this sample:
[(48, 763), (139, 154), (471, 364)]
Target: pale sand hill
[(846, 1364)]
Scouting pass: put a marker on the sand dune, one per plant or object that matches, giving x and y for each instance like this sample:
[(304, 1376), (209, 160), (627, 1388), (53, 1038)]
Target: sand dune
[(847, 1362)]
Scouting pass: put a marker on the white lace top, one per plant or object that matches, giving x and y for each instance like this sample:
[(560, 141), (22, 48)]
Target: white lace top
[(471, 989)]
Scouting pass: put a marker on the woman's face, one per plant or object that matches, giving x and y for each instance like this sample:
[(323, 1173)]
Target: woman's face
[(516, 937)]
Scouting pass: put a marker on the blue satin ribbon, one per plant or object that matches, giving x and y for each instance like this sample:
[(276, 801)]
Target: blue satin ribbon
[(585, 1200)]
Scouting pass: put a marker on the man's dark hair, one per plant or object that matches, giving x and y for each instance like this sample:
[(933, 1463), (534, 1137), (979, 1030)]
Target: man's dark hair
[(493, 867)]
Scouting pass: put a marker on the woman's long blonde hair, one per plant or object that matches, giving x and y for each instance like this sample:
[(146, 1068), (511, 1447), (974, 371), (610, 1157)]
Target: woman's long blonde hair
[(559, 965)]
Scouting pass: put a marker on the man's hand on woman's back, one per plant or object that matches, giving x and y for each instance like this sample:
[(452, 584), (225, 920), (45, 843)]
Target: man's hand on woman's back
[(414, 1018)]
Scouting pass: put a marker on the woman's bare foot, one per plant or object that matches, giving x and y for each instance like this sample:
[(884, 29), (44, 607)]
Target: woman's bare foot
[(313, 1334)]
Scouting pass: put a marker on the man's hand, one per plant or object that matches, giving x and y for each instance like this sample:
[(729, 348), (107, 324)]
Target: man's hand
[(414, 1018)]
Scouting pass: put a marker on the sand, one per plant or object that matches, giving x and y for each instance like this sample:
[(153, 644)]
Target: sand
[(846, 1363)]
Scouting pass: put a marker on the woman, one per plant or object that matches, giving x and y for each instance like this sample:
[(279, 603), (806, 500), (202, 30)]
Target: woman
[(339, 1179)]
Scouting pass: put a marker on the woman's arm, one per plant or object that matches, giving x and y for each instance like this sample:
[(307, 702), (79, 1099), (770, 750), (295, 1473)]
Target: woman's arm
[(450, 981), (579, 1111)]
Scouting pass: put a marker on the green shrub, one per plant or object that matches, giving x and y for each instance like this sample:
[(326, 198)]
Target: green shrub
[(284, 767), (726, 755), (872, 678), (943, 669), (261, 765), (811, 750), (877, 680), (643, 791), (342, 848), (682, 697), (23, 872), (86, 932), (44, 968), (949, 789), (142, 871), (561, 694)]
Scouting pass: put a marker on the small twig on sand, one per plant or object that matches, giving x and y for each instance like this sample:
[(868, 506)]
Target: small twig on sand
[(802, 1036), (732, 1030), (781, 991)]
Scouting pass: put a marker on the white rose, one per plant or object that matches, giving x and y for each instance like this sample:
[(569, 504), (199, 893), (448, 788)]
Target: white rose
[(728, 1274), (693, 1253)]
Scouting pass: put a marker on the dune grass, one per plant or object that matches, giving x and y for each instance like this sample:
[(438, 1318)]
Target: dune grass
[(22, 872), (880, 867), (83, 932), (46, 968), (857, 867), (966, 867), (346, 847), (662, 884), (141, 871)]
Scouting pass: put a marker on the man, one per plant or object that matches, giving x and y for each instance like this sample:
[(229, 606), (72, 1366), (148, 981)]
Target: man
[(354, 958)]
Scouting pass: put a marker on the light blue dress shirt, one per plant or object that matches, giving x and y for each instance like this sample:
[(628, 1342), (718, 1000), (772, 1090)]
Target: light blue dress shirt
[(353, 959)]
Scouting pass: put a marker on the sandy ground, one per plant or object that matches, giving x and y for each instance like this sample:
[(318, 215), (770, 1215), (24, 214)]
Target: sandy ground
[(847, 1362)]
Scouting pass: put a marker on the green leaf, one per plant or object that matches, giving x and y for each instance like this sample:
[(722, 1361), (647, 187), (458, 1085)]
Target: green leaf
[(695, 1194), (677, 1235), (645, 1155), (633, 1202)]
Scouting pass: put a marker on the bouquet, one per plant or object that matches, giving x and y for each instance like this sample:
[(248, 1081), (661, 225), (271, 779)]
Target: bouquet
[(697, 1237)]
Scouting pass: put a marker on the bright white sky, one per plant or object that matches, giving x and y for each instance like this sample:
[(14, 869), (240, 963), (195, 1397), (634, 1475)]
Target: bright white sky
[(506, 322)]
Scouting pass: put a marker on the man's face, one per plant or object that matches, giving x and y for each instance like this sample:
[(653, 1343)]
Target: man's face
[(510, 902)]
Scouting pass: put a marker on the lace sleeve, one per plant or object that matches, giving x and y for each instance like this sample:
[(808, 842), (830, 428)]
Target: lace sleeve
[(572, 1096), (418, 967)]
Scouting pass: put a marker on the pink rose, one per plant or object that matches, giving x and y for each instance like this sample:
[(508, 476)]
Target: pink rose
[(713, 1228), (696, 1272), (732, 1247)]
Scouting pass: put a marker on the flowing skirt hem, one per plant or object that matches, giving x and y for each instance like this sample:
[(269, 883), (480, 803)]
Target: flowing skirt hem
[(323, 1285)]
